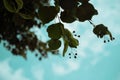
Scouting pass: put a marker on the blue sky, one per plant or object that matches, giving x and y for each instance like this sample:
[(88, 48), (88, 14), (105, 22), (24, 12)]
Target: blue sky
[(96, 60)]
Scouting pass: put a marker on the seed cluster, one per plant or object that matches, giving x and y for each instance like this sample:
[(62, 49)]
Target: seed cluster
[(74, 55)]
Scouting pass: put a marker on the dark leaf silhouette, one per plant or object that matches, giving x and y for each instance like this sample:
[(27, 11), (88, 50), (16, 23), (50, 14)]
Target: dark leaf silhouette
[(13, 5), (84, 1), (47, 13), (101, 30), (55, 42), (68, 4), (54, 31), (86, 12), (68, 16)]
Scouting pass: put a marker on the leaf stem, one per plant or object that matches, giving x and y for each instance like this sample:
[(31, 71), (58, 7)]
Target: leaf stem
[(58, 18), (91, 23)]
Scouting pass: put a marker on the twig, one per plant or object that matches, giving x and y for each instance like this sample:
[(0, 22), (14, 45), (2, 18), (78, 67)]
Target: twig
[(91, 23)]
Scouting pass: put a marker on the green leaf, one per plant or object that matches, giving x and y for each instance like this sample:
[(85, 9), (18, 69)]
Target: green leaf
[(73, 42), (68, 33), (47, 13), (66, 44), (13, 6), (54, 31), (19, 3), (69, 40), (10, 6), (54, 44), (24, 56), (26, 16)]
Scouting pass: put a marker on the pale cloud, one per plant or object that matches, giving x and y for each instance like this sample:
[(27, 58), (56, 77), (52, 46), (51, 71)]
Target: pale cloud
[(7, 73), (94, 61), (37, 72), (69, 66), (90, 42)]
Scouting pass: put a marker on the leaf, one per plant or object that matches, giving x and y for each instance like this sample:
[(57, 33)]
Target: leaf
[(54, 31), (19, 3), (10, 6), (66, 44), (24, 56), (56, 2), (73, 42), (67, 16), (13, 6), (68, 33), (26, 16), (84, 1), (86, 12), (54, 44), (47, 13), (100, 30), (69, 40), (68, 4), (110, 35)]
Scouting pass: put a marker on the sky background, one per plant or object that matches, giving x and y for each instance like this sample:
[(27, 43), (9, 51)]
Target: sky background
[(96, 60)]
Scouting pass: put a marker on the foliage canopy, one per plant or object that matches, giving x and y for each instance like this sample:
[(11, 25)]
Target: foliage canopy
[(17, 17)]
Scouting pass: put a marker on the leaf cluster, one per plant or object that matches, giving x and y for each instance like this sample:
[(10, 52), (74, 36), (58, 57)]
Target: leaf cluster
[(17, 17)]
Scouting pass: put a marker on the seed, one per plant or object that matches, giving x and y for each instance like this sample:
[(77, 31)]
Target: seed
[(113, 38), (36, 54), (75, 35), (78, 35), (40, 58), (75, 56), (104, 41), (73, 31), (69, 53), (75, 53)]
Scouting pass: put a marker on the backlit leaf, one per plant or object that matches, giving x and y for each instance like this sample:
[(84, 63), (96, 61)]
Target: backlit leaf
[(73, 42), (54, 31), (66, 44), (68, 33), (26, 16), (19, 3), (10, 6), (13, 6), (54, 44)]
